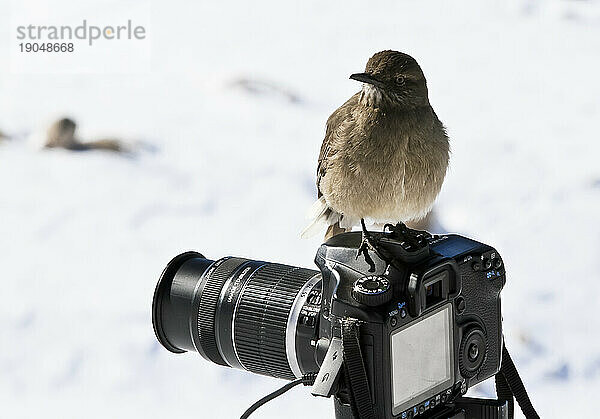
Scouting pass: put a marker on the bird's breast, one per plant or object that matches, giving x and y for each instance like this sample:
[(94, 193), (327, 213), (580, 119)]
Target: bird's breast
[(384, 171)]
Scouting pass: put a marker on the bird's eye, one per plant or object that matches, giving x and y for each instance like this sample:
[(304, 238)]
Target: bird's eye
[(400, 80)]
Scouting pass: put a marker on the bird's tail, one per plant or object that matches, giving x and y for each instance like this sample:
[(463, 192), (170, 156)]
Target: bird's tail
[(321, 216)]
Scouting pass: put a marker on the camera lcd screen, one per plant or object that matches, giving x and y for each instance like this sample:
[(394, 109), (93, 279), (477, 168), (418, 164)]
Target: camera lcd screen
[(422, 359)]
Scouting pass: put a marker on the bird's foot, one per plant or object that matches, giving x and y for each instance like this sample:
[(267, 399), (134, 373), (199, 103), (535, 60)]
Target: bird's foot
[(366, 245), (403, 233)]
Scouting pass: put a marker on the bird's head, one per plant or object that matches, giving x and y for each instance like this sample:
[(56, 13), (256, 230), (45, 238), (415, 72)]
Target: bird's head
[(393, 78)]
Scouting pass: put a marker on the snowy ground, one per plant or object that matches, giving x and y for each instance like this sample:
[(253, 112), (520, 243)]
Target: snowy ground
[(84, 236)]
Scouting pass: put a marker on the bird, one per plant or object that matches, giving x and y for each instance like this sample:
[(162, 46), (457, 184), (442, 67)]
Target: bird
[(61, 134), (385, 153)]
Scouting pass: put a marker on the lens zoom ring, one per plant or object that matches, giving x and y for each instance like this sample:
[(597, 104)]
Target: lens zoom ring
[(208, 306), (262, 315)]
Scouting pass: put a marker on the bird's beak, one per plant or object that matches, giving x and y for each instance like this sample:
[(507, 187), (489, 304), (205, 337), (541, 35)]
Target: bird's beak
[(366, 78)]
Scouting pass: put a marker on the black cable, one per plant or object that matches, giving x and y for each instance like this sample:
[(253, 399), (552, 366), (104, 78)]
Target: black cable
[(307, 380)]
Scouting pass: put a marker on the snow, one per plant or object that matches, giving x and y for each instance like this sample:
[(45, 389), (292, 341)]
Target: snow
[(235, 103)]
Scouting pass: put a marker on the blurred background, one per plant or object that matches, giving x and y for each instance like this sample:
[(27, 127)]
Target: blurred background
[(230, 108)]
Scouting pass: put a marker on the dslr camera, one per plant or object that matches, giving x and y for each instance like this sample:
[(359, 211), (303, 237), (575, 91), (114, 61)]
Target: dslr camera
[(394, 324)]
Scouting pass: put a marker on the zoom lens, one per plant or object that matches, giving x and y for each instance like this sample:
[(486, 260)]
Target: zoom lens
[(237, 312)]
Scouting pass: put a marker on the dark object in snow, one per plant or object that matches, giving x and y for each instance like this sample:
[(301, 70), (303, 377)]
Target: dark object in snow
[(61, 134)]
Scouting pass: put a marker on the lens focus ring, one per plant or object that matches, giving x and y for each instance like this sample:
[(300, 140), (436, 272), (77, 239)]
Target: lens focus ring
[(216, 277), (261, 318)]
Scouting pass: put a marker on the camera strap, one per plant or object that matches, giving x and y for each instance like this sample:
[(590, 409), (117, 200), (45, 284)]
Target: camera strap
[(355, 371), (509, 385)]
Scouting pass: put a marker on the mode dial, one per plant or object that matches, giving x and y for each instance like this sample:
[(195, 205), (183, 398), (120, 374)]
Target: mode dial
[(372, 290)]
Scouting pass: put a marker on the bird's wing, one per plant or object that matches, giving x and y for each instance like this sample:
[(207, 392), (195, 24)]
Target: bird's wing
[(328, 149)]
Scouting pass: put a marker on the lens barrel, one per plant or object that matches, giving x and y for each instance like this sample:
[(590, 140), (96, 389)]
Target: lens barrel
[(238, 312)]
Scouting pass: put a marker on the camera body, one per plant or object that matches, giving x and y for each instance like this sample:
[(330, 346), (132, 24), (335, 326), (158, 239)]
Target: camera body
[(429, 315)]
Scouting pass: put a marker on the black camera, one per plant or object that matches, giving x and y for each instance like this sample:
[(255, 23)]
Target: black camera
[(397, 324)]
